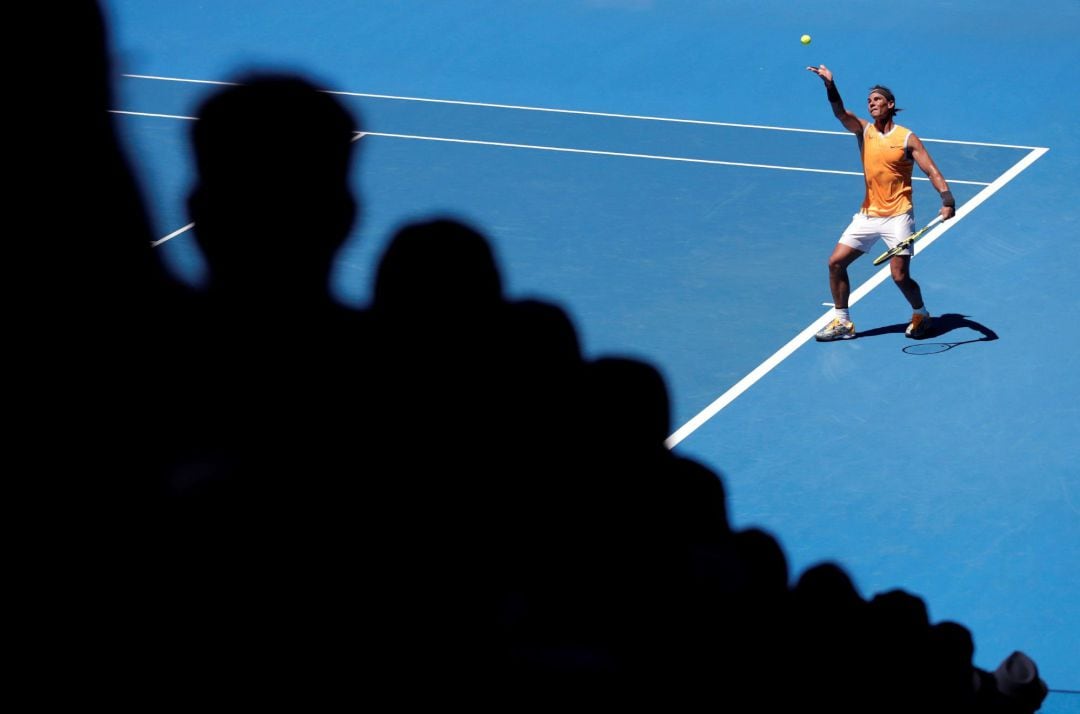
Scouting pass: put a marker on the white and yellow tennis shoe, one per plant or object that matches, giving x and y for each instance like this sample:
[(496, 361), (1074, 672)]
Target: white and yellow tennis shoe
[(836, 330)]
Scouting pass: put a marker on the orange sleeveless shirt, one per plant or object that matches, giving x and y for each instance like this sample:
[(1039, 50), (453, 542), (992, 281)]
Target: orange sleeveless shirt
[(887, 170)]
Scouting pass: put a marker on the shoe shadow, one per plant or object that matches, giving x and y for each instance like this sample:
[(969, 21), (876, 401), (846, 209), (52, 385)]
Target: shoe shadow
[(941, 326), (886, 330)]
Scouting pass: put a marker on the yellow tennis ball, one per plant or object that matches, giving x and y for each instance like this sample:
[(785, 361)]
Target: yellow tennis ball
[(805, 39)]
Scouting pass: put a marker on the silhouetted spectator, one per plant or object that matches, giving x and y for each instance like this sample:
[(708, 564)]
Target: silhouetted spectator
[(949, 671), (898, 627), (1013, 688), (268, 407), (269, 348), (85, 291), (830, 642)]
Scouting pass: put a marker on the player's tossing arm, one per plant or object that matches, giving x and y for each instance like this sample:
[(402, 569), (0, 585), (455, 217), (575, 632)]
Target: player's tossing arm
[(851, 122), (922, 158)]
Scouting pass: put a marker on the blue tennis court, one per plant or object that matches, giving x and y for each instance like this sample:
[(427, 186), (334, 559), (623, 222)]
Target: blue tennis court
[(673, 177)]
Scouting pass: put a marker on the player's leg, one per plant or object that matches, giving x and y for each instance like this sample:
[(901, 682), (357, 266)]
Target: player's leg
[(900, 266), (897, 229), (841, 327), (855, 240), (839, 283)]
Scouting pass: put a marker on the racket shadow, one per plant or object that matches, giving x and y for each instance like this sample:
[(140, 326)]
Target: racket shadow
[(941, 326)]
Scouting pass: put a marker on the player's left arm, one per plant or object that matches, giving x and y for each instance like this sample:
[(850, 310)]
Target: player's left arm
[(922, 158)]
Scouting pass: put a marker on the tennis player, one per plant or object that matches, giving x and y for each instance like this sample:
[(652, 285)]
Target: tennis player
[(889, 151)]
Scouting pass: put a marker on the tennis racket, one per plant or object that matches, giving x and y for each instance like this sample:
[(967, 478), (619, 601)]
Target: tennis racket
[(899, 247)]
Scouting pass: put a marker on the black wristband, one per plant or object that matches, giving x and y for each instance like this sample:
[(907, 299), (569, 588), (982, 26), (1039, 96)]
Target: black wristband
[(830, 89), (947, 199)]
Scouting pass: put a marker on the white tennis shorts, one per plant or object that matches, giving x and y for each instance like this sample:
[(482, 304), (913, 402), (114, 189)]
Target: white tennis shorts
[(864, 231)]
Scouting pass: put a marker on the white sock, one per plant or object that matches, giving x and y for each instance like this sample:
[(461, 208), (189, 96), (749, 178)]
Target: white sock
[(923, 311), (841, 313)]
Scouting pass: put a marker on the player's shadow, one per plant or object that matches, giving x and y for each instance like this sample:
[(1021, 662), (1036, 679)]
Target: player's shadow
[(944, 325), (941, 326), (885, 330)]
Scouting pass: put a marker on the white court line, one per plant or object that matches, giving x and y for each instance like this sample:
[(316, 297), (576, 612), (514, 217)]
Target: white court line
[(571, 111), (155, 116), (172, 235), (655, 157), (595, 152), (598, 152), (784, 352)]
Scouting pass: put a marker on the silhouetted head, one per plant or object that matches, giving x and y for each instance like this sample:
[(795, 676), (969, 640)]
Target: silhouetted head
[(437, 268), (898, 625), (700, 501), (1017, 678), (630, 400), (898, 610), (272, 203), (764, 563), (543, 332), (827, 585), (955, 639), (950, 662)]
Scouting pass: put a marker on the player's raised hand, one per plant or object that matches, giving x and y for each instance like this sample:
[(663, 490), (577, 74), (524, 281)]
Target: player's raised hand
[(822, 71)]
